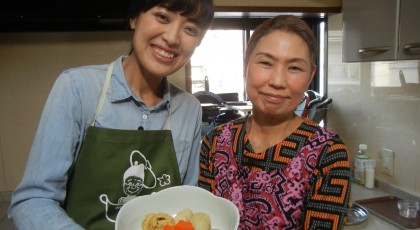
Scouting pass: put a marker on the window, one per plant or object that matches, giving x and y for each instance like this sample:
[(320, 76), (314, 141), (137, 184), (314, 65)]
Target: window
[(220, 56)]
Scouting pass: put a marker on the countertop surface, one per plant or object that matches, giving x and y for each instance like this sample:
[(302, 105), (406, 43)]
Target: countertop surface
[(373, 222)]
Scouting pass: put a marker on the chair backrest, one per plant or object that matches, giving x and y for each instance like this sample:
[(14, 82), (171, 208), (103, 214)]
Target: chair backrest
[(229, 96), (208, 97), (313, 106)]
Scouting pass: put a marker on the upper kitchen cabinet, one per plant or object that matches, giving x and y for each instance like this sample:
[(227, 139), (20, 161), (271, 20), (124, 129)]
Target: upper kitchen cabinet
[(381, 30), (409, 43)]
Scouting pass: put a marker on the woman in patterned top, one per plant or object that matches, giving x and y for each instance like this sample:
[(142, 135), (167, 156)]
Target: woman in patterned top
[(282, 171)]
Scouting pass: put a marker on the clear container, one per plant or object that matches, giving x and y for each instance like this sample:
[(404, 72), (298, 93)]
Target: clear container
[(408, 208), (359, 172), (370, 173)]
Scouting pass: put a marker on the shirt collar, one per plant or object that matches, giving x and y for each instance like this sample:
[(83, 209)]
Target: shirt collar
[(119, 90)]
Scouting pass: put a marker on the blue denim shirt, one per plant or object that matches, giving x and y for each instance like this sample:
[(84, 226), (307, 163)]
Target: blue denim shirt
[(69, 110)]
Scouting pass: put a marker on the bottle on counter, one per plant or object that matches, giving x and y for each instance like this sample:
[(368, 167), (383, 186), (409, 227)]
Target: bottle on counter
[(359, 165), (370, 173)]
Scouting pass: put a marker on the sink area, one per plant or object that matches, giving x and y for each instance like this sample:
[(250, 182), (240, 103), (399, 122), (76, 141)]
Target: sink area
[(376, 220), (386, 208), (373, 222)]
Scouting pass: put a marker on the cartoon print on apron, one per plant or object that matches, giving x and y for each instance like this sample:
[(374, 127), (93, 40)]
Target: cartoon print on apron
[(133, 183), (114, 166)]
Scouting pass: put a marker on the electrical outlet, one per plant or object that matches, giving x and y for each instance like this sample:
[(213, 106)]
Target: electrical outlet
[(387, 162)]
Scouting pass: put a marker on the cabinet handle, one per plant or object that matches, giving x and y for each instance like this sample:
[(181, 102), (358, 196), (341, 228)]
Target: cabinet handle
[(377, 49), (412, 46)]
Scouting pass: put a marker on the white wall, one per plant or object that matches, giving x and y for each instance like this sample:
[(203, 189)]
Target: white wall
[(29, 65)]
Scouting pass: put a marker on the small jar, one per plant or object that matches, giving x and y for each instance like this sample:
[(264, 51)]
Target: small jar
[(408, 208)]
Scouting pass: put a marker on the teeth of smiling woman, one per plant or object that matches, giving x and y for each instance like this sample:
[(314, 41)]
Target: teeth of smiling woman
[(164, 53)]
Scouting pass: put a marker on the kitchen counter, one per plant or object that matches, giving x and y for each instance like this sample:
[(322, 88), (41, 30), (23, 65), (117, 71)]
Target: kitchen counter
[(373, 222), (358, 193)]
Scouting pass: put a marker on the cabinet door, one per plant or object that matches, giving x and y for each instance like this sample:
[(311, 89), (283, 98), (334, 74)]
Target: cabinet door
[(409, 45), (370, 30)]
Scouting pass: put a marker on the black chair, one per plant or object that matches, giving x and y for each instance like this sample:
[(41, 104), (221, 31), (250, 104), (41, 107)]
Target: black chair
[(229, 96), (208, 97), (210, 104)]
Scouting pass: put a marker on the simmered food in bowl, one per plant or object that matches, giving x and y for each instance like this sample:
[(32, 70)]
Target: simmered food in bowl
[(223, 214), (184, 220)]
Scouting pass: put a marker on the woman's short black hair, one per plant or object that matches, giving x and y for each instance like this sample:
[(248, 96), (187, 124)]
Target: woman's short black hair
[(200, 10), (287, 23)]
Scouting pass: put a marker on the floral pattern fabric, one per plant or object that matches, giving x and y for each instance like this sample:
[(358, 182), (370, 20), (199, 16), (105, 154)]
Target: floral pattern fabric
[(277, 188)]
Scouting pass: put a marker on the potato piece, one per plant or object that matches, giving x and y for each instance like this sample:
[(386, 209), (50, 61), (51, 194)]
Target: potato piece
[(201, 221), (157, 221), (184, 215)]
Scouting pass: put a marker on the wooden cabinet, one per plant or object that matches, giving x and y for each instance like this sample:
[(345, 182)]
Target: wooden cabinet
[(381, 30), (409, 40)]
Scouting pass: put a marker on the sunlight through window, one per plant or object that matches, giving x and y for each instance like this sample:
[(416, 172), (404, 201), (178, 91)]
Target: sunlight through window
[(220, 58)]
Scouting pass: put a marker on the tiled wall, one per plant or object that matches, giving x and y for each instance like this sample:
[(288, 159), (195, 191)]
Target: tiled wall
[(371, 107)]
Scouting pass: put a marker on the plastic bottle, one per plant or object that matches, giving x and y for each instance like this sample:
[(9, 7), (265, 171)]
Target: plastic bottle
[(359, 164), (370, 173)]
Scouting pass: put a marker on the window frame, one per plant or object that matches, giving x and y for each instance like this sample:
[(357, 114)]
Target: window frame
[(247, 24)]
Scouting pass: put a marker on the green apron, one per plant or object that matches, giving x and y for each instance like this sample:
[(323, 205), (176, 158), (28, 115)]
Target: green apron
[(115, 166)]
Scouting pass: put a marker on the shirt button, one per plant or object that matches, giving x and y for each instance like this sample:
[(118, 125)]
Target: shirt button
[(145, 116)]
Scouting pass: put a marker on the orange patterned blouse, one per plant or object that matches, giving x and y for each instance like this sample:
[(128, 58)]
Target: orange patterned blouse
[(303, 182)]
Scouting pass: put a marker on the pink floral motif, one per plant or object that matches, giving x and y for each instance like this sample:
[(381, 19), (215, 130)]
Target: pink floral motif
[(236, 194), (230, 172), (275, 223), (226, 136), (262, 177), (263, 197), (295, 168)]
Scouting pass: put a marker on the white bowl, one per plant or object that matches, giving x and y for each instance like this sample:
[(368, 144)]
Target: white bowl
[(223, 213)]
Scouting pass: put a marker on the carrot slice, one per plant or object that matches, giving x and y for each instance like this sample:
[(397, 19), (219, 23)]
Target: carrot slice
[(169, 227), (183, 225)]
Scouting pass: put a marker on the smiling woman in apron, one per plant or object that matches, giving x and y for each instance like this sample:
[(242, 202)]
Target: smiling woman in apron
[(109, 133)]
